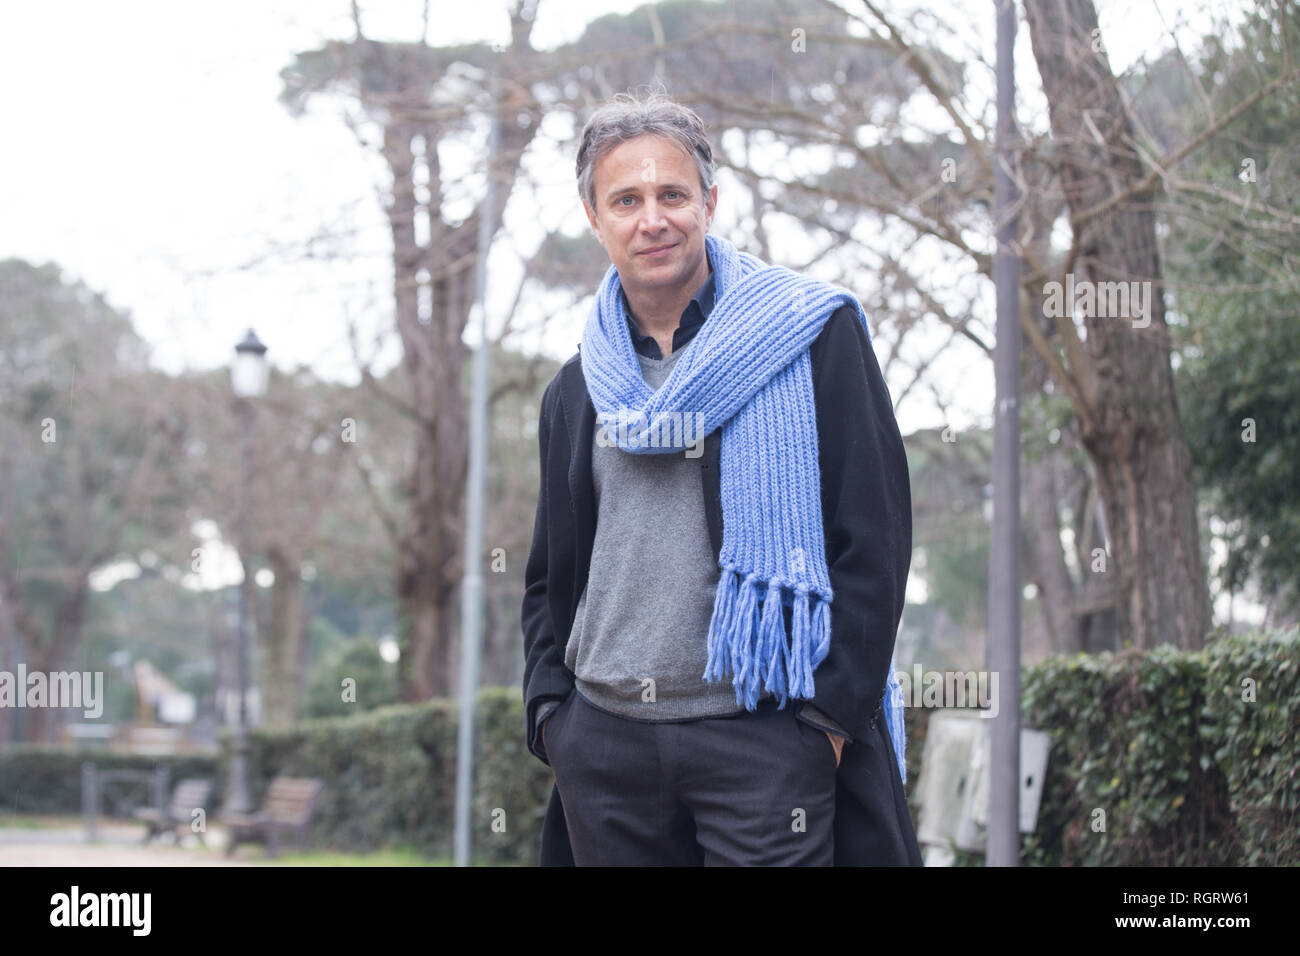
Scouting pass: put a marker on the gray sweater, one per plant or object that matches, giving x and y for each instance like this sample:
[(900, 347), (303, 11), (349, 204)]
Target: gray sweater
[(639, 642)]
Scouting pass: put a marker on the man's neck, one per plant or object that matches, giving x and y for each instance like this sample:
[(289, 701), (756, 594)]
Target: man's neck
[(659, 315)]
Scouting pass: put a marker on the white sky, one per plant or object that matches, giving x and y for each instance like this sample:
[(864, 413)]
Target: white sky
[(144, 151)]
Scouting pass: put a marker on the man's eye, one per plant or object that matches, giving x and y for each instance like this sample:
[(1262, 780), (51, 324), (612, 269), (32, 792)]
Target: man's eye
[(624, 197)]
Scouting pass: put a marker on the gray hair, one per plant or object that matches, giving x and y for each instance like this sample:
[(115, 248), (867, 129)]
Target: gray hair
[(625, 117)]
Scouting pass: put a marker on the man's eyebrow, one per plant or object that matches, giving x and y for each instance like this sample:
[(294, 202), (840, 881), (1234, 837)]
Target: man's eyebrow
[(616, 193)]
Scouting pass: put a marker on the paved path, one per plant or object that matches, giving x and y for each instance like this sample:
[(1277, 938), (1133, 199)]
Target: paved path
[(117, 846)]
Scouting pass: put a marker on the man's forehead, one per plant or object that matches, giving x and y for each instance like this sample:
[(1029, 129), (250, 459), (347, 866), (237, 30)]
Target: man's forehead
[(645, 150), (652, 160)]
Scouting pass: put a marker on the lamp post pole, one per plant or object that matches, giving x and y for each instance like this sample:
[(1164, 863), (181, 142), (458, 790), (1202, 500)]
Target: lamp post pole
[(472, 587), (248, 379), (1004, 551)]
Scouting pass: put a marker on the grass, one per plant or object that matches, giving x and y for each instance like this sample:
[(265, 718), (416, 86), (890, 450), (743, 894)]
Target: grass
[(389, 857)]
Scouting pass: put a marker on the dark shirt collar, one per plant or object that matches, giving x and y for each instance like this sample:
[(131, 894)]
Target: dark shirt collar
[(696, 311)]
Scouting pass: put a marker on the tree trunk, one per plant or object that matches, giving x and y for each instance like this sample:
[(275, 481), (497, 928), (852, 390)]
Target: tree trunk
[(434, 356), (1049, 572), (1120, 377), (53, 655), (282, 702), (1042, 506), (427, 672)]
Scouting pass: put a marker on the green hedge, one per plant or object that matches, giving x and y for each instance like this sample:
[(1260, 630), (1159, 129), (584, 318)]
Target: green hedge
[(40, 778), (1184, 770), (390, 777), (1256, 746)]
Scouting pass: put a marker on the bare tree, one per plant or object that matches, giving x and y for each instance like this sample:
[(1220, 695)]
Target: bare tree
[(87, 472), (419, 96)]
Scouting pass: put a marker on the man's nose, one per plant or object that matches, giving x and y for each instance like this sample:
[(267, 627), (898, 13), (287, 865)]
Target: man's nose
[(652, 217)]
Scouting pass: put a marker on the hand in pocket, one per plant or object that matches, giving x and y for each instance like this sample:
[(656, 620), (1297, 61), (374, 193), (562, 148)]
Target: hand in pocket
[(836, 741)]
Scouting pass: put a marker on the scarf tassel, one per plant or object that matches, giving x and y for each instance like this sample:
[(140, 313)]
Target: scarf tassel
[(894, 721), (771, 646), (724, 603), (742, 636), (821, 634)]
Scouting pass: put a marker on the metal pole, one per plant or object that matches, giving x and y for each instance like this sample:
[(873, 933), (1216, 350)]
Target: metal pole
[(1004, 546), (472, 585), (89, 800), (237, 798), (161, 778)]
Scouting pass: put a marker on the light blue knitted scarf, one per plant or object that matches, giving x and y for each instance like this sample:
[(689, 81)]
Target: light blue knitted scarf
[(747, 370)]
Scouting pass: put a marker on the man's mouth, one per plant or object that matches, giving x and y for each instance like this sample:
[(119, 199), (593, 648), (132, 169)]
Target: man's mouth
[(658, 251)]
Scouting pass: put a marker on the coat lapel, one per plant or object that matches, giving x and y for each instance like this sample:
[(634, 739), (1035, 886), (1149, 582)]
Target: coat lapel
[(580, 422)]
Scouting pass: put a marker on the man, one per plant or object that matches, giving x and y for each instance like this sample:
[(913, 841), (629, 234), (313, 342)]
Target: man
[(724, 509)]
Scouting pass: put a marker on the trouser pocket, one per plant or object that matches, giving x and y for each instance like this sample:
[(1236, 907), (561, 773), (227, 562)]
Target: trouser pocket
[(553, 726), (818, 739)]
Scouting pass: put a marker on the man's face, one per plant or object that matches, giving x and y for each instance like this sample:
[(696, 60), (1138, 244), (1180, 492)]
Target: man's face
[(648, 196)]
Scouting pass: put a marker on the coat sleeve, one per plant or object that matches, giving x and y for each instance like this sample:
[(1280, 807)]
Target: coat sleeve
[(545, 676), (867, 513)]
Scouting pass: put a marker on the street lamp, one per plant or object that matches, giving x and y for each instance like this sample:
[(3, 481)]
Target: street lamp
[(248, 378), (249, 373)]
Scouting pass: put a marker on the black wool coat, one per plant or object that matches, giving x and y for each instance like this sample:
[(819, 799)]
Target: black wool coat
[(867, 511)]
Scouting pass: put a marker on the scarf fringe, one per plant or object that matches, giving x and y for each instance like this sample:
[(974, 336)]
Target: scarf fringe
[(758, 653), (761, 656)]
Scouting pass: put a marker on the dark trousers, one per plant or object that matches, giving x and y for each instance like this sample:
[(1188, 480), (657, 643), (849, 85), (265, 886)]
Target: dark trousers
[(753, 789)]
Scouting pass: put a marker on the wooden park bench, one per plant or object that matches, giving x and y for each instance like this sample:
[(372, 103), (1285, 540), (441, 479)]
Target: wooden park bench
[(289, 806), (190, 795)]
